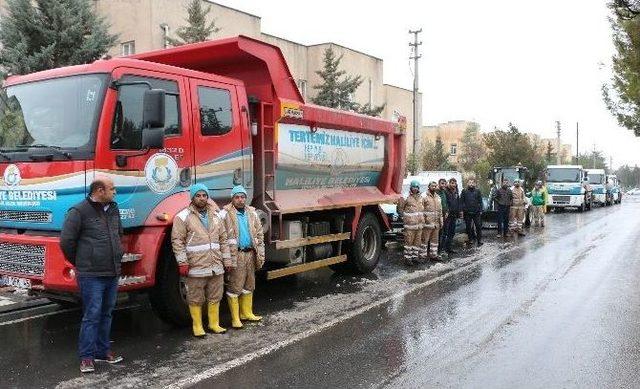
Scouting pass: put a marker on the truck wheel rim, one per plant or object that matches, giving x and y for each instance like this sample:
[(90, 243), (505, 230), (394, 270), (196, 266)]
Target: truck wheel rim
[(369, 244)]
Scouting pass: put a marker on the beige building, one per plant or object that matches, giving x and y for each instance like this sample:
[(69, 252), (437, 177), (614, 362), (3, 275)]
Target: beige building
[(144, 25), (566, 150), (451, 134)]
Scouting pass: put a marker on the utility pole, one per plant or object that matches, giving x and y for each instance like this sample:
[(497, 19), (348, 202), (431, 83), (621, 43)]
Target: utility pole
[(594, 156), (415, 57), (558, 143), (577, 144)]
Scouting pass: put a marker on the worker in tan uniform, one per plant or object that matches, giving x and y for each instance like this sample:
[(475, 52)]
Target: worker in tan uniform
[(199, 241), (516, 213), (432, 223), (246, 241), (411, 210)]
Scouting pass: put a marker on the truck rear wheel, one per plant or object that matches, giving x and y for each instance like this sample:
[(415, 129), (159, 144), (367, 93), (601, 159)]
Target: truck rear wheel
[(168, 295), (364, 252)]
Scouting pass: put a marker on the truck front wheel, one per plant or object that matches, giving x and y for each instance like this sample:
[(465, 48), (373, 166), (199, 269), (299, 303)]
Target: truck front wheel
[(367, 244), (168, 295)]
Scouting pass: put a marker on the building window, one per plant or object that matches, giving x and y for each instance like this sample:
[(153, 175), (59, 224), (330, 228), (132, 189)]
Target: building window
[(302, 87), (128, 48), (215, 111), (453, 149)]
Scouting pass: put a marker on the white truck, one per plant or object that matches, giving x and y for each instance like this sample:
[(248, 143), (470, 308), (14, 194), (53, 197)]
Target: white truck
[(597, 181), (567, 189)]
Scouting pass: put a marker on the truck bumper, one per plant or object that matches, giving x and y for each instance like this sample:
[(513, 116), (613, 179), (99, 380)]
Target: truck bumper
[(568, 201), (37, 262)]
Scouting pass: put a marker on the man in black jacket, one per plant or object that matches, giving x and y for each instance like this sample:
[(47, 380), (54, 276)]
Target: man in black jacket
[(471, 204), (503, 198), (453, 204), (90, 240)]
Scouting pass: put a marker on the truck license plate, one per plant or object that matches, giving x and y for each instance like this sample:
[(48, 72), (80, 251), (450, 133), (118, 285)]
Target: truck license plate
[(16, 282)]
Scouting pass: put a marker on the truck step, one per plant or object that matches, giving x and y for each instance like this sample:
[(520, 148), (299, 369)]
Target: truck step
[(128, 280), (130, 257)]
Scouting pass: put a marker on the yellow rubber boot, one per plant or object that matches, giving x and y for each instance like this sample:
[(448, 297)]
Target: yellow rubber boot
[(196, 317), (246, 308), (235, 312), (214, 318)]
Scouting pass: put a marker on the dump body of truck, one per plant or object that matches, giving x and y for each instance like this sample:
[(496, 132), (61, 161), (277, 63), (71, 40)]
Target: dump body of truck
[(231, 115)]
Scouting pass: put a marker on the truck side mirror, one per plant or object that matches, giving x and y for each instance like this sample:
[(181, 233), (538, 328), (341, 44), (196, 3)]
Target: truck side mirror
[(153, 108), (153, 138)]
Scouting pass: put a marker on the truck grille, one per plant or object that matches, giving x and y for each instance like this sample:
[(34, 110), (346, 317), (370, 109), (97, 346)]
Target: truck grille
[(24, 259), (26, 216), (561, 199)]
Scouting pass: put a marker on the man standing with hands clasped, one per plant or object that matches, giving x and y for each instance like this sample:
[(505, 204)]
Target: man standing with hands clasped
[(199, 241), (246, 240), (471, 200), (90, 240)]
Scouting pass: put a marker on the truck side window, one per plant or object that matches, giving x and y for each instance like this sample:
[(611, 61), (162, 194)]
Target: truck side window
[(215, 111), (126, 133)]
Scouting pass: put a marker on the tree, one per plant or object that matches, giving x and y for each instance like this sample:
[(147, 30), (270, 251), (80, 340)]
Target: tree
[(471, 149), (550, 155), (413, 164), (512, 147), (622, 94), (628, 176), (337, 88), (43, 34), (197, 29), (434, 156), (593, 160)]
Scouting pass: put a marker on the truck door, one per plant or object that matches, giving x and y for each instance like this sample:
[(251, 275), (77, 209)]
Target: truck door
[(144, 179), (217, 137)]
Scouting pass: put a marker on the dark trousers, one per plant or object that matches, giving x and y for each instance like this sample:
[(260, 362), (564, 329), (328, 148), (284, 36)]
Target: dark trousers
[(449, 231), (473, 222), (503, 219), (98, 300), (443, 235)]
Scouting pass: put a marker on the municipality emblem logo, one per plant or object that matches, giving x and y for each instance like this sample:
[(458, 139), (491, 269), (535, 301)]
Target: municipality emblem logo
[(161, 173), (12, 175)]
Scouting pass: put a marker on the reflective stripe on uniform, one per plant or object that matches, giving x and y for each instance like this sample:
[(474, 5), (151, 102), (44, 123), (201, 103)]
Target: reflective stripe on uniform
[(203, 247), (232, 241)]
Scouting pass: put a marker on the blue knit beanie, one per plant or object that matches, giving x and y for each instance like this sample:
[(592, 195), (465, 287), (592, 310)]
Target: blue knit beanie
[(195, 188), (238, 189)]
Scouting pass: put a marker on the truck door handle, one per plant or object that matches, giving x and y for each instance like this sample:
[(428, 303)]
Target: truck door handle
[(237, 176), (185, 177)]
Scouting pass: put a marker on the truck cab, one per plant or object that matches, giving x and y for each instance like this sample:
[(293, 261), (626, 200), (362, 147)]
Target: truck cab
[(613, 187), (567, 187), (597, 181), (496, 175)]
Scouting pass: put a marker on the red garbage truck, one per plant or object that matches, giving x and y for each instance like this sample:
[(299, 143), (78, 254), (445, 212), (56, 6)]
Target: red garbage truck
[(222, 113)]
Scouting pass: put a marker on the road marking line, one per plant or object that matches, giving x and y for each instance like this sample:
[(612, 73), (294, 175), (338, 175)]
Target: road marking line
[(215, 371)]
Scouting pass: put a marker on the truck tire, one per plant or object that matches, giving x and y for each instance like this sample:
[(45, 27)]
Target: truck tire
[(364, 252), (167, 297), (583, 207)]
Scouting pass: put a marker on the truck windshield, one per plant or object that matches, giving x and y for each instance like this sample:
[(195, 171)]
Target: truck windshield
[(563, 175), (61, 113), (508, 174), (595, 178)]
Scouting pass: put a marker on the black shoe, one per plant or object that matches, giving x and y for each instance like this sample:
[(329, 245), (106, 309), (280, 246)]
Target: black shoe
[(521, 234), (480, 244), (452, 251)]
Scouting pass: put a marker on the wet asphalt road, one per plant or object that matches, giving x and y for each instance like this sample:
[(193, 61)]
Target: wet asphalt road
[(558, 308)]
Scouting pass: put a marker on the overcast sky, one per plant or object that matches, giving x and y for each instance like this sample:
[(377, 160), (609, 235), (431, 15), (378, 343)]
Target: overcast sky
[(492, 61)]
